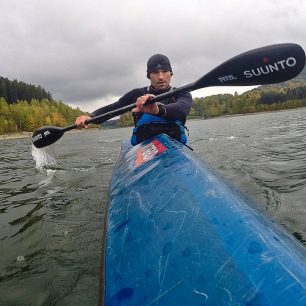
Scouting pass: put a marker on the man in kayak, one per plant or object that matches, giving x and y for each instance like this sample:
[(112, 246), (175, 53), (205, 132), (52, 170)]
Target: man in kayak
[(167, 116)]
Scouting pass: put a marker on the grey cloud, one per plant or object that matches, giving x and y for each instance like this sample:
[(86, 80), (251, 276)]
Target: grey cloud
[(85, 51)]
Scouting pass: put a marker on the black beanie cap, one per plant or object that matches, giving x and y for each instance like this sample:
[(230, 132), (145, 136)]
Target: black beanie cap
[(158, 61)]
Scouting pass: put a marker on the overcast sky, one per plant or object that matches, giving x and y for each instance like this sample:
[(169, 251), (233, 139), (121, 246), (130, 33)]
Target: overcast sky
[(88, 53)]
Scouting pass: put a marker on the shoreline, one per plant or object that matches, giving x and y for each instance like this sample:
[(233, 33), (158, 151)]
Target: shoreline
[(15, 135), (29, 134)]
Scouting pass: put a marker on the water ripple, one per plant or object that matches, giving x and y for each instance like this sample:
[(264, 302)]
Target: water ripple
[(52, 207)]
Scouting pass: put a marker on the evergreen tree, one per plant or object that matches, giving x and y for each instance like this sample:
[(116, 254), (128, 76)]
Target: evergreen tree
[(12, 91)]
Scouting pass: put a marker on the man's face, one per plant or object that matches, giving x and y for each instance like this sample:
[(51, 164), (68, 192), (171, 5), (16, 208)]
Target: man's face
[(160, 79)]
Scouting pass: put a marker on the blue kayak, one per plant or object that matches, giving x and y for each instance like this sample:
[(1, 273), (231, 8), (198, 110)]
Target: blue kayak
[(177, 234)]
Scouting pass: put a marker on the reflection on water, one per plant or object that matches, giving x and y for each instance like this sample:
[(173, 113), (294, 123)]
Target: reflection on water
[(53, 200)]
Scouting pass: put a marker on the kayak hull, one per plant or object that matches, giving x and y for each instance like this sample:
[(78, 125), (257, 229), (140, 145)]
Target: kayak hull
[(177, 234)]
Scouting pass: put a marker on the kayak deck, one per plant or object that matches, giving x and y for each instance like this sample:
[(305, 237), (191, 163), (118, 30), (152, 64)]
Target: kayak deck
[(178, 235)]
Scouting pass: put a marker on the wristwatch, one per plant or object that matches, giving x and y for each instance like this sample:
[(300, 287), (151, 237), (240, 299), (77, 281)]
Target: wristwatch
[(161, 110)]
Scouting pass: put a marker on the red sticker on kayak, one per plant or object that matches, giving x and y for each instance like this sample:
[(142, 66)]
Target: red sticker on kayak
[(148, 151)]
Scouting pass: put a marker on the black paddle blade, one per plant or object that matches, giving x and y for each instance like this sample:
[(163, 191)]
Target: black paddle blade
[(46, 135), (267, 65)]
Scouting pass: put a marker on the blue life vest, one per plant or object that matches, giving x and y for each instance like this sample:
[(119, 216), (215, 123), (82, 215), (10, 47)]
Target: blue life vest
[(149, 126)]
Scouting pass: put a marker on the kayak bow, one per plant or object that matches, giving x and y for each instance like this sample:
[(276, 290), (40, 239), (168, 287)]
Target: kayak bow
[(178, 235)]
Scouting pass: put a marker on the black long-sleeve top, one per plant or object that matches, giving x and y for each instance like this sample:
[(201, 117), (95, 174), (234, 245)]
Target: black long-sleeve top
[(177, 108)]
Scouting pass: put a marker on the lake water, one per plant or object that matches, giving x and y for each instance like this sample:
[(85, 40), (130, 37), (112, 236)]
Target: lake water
[(53, 201)]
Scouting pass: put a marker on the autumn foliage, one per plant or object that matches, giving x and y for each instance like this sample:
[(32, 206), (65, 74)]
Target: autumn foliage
[(28, 116)]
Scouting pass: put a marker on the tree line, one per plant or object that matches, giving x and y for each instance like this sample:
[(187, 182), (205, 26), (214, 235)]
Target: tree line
[(256, 100), (28, 116), (12, 91)]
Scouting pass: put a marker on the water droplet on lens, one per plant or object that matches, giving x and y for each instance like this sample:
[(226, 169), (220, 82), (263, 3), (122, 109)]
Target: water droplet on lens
[(20, 258)]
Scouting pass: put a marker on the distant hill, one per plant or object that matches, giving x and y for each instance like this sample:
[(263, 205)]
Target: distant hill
[(15, 90), (301, 76), (300, 80), (26, 107)]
